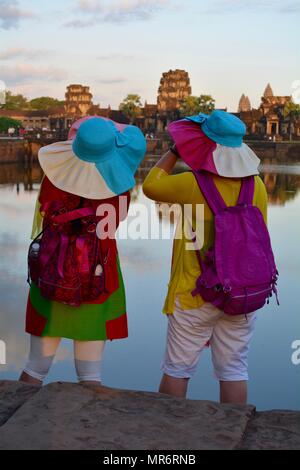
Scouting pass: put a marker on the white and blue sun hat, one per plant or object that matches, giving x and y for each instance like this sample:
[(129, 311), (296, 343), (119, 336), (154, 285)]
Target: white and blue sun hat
[(99, 163)]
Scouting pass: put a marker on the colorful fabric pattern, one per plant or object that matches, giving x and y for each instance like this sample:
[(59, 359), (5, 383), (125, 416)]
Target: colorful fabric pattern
[(102, 319), (89, 322)]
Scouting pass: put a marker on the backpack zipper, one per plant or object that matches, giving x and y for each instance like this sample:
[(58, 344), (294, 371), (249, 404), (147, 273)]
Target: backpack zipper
[(251, 295)]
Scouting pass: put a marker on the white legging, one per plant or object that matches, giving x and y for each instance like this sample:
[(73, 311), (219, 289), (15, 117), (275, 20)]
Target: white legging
[(87, 357)]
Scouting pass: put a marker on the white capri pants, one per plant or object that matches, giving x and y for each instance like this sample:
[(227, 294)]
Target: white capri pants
[(189, 331), (87, 358)]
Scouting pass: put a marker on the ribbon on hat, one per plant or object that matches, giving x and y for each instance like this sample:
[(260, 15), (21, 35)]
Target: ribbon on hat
[(199, 119), (121, 139)]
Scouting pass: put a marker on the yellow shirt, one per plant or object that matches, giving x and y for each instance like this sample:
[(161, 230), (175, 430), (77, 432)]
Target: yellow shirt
[(183, 189)]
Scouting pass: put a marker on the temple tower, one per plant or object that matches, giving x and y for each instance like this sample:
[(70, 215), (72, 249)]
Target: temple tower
[(174, 87), (78, 99), (244, 104)]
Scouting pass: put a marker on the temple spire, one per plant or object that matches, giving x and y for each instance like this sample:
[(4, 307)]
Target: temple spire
[(268, 92), (244, 104)]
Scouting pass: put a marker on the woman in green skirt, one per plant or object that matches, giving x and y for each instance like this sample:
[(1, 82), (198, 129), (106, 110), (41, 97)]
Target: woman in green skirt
[(77, 289)]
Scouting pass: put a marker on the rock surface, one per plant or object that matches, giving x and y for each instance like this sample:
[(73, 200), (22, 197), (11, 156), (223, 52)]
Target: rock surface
[(70, 416), (273, 430), (12, 396)]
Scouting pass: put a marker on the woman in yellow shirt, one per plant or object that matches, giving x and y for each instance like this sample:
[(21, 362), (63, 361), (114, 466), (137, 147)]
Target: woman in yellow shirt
[(214, 144)]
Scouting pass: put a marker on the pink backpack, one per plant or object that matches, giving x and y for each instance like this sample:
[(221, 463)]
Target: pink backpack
[(66, 261), (238, 274)]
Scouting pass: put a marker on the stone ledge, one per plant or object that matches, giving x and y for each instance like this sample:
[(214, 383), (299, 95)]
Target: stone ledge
[(273, 430), (71, 416), (12, 396)]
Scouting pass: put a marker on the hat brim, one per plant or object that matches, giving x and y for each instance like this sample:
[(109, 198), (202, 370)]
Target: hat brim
[(199, 152), (236, 162), (112, 177), (68, 173)]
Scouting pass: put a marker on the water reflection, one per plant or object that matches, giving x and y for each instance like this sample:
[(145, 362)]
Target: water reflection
[(20, 175), (281, 187), (282, 181)]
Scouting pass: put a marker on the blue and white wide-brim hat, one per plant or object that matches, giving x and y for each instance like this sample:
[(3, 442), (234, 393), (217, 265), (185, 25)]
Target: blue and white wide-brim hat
[(99, 163)]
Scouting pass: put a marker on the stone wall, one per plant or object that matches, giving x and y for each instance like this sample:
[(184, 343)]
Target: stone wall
[(279, 152)]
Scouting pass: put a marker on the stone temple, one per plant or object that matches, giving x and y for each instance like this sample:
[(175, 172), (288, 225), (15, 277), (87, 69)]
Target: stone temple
[(78, 100), (174, 87), (268, 121)]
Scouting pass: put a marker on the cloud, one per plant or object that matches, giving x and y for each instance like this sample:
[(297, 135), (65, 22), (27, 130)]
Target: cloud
[(24, 73), (115, 57), (11, 14), (111, 81), (291, 8), (80, 23), (236, 6), (33, 89), (116, 11), (20, 52)]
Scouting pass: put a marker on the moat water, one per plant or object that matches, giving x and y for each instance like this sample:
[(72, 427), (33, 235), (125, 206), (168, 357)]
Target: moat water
[(135, 363)]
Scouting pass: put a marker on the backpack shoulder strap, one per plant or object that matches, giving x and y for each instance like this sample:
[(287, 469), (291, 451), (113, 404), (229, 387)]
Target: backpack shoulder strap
[(73, 215), (247, 191), (210, 192)]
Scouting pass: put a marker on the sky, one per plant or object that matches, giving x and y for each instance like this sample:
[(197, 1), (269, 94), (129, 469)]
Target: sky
[(228, 47)]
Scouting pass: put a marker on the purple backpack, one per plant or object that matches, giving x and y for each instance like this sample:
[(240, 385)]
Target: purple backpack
[(238, 274)]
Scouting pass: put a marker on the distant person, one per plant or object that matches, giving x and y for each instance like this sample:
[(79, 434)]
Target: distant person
[(214, 290), (77, 289), (22, 132)]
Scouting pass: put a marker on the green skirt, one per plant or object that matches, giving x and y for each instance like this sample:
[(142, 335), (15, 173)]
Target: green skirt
[(89, 322)]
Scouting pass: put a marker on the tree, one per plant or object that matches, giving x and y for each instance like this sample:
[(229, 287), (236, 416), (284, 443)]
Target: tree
[(131, 106), (6, 123), (291, 108), (21, 103), (192, 105), (207, 104), (44, 103), (291, 112), (15, 101)]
